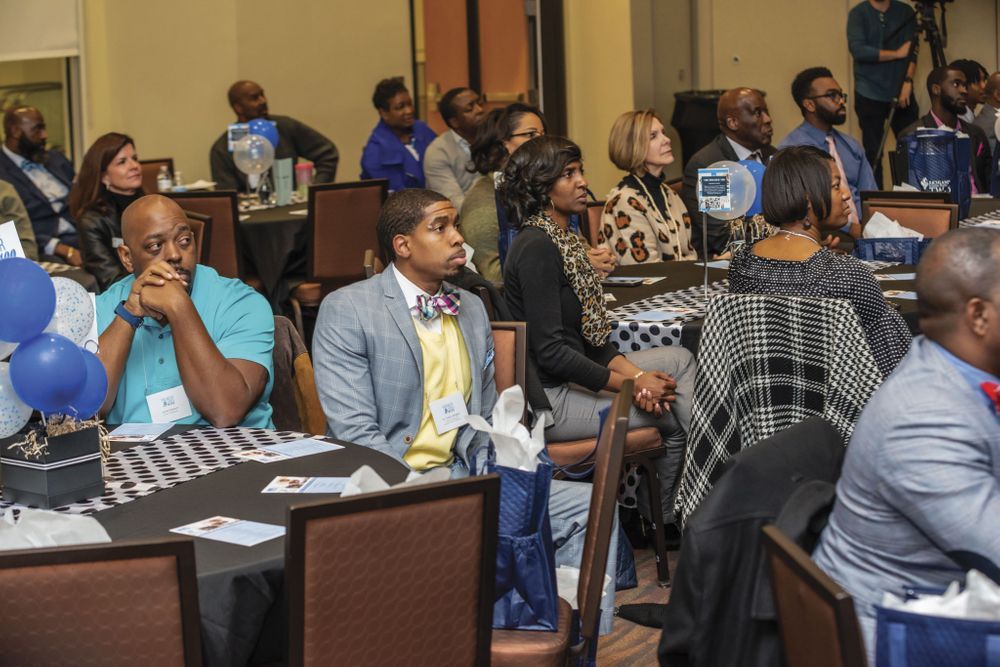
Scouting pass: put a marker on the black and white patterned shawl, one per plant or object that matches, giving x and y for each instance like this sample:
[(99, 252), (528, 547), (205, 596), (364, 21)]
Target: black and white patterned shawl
[(764, 364)]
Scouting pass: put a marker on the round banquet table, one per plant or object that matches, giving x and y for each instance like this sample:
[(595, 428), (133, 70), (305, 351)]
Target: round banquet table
[(274, 247), (684, 275), (240, 589)]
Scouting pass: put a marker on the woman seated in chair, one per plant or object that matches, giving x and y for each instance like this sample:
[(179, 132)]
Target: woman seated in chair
[(803, 196), (644, 220), (550, 283), (110, 179)]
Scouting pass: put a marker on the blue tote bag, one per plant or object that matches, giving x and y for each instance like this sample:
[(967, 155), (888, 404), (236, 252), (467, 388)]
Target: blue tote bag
[(905, 639), (939, 162)]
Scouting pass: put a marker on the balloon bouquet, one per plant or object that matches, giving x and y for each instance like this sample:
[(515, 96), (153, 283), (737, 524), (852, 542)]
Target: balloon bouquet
[(254, 153), (43, 321)]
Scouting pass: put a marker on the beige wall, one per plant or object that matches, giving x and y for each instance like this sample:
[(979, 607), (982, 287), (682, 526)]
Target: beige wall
[(161, 74)]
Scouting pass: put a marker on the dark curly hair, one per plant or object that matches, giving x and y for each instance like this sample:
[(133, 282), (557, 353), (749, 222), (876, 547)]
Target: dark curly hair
[(401, 213), (385, 90), (488, 152), (795, 178), (530, 174), (803, 82)]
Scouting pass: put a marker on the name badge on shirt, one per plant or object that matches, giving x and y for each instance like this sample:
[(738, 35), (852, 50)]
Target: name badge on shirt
[(168, 405), (449, 413)]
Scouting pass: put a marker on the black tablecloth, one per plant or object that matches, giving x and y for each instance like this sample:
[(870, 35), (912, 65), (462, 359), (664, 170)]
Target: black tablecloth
[(240, 589), (681, 275), (274, 247)]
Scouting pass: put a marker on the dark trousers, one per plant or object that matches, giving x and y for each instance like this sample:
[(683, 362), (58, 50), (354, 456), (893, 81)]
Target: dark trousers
[(871, 118)]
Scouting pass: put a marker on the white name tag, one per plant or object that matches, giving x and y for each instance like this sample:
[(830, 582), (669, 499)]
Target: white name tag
[(10, 242), (169, 405), (449, 413)]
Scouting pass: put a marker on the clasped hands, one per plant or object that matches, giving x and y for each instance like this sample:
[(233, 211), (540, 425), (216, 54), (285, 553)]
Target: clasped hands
[(602, 260), (157, 291), (654, 391)]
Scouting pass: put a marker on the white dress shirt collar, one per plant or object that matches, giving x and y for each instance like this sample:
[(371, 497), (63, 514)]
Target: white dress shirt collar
[(742, 153), (410, 292), (463, 144)]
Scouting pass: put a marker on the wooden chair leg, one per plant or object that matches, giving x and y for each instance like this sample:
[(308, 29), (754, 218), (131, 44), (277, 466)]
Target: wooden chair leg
[(656, 514)]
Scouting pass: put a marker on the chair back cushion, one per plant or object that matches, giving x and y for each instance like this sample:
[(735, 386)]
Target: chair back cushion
[(220, 206), (403, 576), (764, 364), (592, 228), (928, 218), (342, 219)]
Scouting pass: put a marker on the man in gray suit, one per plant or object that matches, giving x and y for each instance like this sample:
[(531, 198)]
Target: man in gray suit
[(389, 349), (918, 502), (446, 163), (987, 118)]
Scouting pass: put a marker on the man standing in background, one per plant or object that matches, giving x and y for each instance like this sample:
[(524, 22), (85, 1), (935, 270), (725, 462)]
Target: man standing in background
[(879, 34)]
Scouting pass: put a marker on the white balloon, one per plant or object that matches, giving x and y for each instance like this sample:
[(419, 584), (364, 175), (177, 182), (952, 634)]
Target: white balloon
[(6, 349), (74, 314), (14, 413), (743, 189), (253, 154)]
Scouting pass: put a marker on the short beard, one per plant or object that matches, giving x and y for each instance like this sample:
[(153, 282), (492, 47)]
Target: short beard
[(31, 150), (830, 117), (953, 106)]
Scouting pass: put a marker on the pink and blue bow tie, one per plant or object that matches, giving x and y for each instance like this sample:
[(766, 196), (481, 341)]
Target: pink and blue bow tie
[(429, 307)]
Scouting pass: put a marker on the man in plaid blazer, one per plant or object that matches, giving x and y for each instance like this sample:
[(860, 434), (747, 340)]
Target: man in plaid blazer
[(918, 502), (370, 357)]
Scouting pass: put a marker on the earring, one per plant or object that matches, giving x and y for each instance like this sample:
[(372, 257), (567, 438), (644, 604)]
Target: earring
[(807, 224)]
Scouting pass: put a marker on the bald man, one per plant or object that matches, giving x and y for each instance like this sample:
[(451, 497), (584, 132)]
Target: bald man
[(295, 140), (745, 126), (987, 118), (179, 342), (42, 179), (918, 501)]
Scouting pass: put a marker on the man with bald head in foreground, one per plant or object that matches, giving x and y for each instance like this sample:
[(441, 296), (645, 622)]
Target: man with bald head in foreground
[(179, 342), (746, 135), (295, 140), (918, 501)]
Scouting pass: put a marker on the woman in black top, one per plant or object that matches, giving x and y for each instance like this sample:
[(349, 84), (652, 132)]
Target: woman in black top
[(110, 179), (550, 284), (803, 196)]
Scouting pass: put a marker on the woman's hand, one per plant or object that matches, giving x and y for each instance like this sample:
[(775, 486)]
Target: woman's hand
[(654, 391), (602, 260)]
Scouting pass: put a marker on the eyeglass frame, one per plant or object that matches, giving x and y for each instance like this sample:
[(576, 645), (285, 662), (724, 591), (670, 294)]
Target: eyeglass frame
[(832, 95)]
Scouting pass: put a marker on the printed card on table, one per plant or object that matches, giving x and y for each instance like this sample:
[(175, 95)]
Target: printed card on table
[(286, 484), (289, 450), (233, 531), (900, 294), (138, 432)]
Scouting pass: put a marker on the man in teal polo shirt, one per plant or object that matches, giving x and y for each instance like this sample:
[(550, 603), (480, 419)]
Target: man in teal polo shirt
[(179, 342)]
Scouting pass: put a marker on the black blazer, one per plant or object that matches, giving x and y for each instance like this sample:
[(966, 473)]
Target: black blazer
[(982, 165), (718, 231), (44, 219)]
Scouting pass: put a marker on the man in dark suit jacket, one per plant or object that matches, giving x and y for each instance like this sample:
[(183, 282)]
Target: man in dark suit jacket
[(42, 179), (947, 88), (746, 134)]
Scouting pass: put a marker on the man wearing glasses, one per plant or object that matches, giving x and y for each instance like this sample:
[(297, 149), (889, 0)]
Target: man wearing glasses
[(823, 104)]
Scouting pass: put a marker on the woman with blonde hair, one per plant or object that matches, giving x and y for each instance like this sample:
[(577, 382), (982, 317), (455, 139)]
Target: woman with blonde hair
[(643, 220)]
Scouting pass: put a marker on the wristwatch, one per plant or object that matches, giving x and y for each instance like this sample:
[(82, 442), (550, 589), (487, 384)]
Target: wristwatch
[(122, 312)]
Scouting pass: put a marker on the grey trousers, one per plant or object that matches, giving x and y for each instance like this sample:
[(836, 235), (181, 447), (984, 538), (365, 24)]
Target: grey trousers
[(576, 415)]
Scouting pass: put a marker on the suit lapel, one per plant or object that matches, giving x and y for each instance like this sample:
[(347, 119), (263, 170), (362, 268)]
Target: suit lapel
[(726, 148), (18, 176), (400, 313)]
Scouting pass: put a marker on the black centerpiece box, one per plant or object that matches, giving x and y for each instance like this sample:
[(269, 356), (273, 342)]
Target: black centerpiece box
[(69, 472)]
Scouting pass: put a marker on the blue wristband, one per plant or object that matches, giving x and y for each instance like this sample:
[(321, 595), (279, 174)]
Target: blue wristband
[(122, 312)]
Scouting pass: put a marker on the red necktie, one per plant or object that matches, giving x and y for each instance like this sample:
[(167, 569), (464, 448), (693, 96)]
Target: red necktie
[(992, 390)]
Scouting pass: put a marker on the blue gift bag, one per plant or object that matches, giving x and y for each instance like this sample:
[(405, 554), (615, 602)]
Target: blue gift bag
[(939, 162), (905, 639), (902, 250), (526, 593)]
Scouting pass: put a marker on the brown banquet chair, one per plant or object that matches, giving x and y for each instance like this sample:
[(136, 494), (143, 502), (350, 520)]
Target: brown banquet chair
[(398, 577), (294, 400), (151, 169), (816, 617), (225, 252), (132, 603), (931, 219), (520, 647), (592, 225)]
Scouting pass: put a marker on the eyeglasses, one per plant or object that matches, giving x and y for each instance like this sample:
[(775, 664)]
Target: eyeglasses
[(833, 96), (530, 134)]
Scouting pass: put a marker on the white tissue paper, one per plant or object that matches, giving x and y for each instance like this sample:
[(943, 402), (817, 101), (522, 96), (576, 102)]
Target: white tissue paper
[(515, 446), (905, 187), (41, 528), (979, 601), (366, 480), (567, 584), (881, 226)]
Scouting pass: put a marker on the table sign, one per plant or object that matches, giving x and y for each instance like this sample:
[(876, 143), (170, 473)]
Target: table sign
[(233, 531), (715, 192), (282, 174), (10, 242)]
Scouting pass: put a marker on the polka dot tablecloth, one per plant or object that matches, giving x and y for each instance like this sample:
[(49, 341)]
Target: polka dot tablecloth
[(144, 469), (630, 335)]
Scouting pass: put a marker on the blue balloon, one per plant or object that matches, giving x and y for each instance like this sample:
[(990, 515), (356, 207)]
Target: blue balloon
[(266, 129), (757, 169), (27, 299), (48, 372), (95, 389)]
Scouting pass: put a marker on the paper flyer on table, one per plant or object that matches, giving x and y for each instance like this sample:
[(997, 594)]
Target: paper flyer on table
[(900, 294), (286, 484), (233, 531), (138, 432), (888, 277), (289, 450)]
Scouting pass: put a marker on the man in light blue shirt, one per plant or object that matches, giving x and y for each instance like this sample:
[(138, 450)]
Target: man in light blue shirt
[(823, 104), (179, 342)]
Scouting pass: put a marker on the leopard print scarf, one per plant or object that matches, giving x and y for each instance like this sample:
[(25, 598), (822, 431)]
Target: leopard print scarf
[(582, 277)]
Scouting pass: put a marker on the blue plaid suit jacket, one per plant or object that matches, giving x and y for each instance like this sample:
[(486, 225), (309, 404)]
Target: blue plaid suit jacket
[(369, 367)]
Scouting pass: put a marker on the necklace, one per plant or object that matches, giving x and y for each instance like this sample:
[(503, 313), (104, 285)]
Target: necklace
[(804, 236)]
